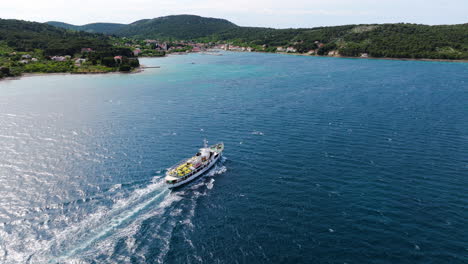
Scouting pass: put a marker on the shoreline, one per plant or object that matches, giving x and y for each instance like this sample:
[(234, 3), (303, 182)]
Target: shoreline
[(348, 57), (33, 74), (318, 56), (391, 59), (143, 67), (370, 58)]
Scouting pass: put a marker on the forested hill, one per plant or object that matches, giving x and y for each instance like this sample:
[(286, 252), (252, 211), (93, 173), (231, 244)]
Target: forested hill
[(106, 28), (177, 27), (386, 40), (28, 36), (37, 47), (168, 27)]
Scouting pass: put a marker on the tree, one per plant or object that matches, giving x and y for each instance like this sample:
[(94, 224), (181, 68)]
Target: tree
[(125, 68), (108, 61)]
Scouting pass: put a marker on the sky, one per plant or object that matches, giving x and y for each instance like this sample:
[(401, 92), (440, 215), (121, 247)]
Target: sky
[(264, 13)]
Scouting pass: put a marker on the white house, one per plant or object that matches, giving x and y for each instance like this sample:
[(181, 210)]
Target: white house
[(291, 49), (59, 58), (80, 61)]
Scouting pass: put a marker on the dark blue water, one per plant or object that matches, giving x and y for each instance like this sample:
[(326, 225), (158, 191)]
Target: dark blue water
[(326, 161)]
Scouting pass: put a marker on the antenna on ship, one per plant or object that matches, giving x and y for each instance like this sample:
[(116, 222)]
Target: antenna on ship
[(205, 143)]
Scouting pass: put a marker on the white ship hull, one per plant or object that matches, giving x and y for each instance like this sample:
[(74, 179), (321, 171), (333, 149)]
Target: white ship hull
[(197, 174)]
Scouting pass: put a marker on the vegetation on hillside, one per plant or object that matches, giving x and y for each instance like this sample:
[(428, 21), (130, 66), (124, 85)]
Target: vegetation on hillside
[(387, 40), (409, 41), (36, 47), (105, 28), (164, 28), (28, 36), (175, 27)]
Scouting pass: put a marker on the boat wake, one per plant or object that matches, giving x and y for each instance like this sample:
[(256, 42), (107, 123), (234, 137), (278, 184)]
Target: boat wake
[(99, 232), (117, 232), (111, 226), (218, 169)]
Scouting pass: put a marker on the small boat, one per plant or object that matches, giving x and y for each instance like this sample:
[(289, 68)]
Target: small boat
[(191, 168)]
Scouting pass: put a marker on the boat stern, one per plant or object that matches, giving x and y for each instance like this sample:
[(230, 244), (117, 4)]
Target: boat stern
[(171, 180)]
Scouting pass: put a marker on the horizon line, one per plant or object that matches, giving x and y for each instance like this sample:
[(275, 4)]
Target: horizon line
[(338, 25)]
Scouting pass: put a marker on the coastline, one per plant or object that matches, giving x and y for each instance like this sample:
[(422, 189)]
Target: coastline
[(371, 58), (143, 67), (33, 74), (348, 57)]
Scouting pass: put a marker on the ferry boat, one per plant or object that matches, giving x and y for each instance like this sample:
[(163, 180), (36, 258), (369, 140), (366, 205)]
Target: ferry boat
[(191, 168)]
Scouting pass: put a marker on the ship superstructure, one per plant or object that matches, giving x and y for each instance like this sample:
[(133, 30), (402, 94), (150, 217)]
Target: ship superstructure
[(191, 168)]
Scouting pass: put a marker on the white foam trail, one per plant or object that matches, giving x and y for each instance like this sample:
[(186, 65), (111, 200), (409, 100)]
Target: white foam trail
[(217, 170), (115, 187), (99, 232), (161, 233), (114, 223), (101, 223), (210, 184)]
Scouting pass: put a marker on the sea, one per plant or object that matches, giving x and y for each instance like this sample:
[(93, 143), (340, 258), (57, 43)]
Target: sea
[(327, 160)]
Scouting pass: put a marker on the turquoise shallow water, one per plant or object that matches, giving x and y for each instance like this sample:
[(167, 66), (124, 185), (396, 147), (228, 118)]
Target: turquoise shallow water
[(327, 161)]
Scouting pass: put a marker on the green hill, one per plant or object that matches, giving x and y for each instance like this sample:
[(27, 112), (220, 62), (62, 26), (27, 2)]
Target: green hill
[(30, 46), (106, 28), (177, 27), (28, 36), (169, 27), (385, 40), (63, 25)]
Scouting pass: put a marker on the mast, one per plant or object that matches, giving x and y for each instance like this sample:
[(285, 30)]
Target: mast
[(205, 143)]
